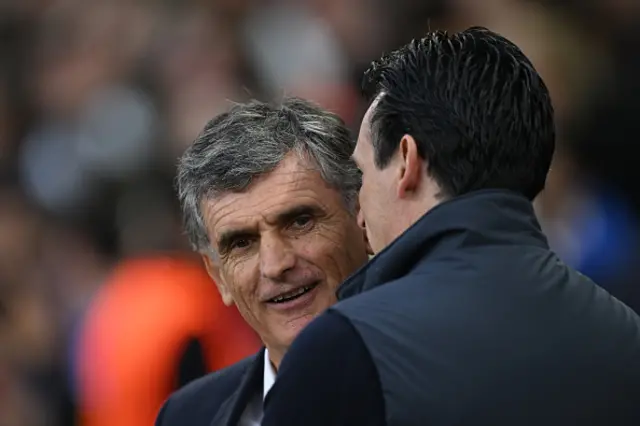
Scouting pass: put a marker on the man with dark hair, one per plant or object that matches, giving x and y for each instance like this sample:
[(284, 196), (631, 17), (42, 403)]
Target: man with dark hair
[(464, 316)]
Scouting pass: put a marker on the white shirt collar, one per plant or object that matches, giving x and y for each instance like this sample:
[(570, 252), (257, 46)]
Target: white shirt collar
[(269, 374)]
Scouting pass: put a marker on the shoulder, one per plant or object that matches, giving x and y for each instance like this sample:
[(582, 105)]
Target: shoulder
[(326, 377), (201, 399), (332, 335), (332, 328)]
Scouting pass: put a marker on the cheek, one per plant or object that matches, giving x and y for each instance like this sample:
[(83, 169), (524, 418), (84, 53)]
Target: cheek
[(368, 198), (241, 282), (336, 252)]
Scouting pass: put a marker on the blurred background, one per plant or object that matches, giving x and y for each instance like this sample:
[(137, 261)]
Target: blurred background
[(98, 289)]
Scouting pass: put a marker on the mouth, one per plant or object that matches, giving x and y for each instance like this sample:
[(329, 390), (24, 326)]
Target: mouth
[(293, 294)]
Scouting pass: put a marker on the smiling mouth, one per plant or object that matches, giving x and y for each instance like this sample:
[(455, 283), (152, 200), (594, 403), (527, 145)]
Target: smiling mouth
[(293, 294)]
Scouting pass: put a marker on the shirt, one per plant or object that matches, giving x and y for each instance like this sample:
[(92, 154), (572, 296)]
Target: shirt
[(252, 415)]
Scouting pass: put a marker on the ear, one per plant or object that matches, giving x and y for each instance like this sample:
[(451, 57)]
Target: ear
[(213, 269), (411, 167)]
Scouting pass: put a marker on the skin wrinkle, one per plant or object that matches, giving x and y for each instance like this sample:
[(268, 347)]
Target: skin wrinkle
[(230, 185), (276, 255), (219, 197)]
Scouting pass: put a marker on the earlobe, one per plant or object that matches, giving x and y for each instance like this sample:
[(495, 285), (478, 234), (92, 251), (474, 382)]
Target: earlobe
[(411, 170), (213, 269)]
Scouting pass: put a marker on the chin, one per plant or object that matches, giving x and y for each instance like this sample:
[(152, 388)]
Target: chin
[(294, 322), (293, 327)]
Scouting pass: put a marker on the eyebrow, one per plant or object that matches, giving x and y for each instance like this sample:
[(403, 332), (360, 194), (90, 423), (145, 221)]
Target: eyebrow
[(281, 218), (286, 216)]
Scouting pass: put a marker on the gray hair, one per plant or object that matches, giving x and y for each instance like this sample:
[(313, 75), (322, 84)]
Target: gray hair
[(251, 139)]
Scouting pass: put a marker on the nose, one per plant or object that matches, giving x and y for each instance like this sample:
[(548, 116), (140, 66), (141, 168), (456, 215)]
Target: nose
[(363, 225), (276, 257), (361, 218)]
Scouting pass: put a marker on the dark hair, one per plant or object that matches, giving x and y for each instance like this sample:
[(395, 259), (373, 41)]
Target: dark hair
[(478, 110)]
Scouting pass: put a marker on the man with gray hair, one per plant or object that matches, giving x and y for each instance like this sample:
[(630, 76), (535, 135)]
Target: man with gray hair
[(269, 197)]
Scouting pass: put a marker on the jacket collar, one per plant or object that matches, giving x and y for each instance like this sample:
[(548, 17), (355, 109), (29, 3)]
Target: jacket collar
[(231, 410), (475, 219)]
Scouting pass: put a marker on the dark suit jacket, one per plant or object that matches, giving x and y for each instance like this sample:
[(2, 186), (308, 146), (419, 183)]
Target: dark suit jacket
[(468, 318), (217, 399)]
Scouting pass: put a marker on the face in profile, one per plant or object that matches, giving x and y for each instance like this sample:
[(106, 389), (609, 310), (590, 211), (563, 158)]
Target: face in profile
[(283, 246), (377, 201)]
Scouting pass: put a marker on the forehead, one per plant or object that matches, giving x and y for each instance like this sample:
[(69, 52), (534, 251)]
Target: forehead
[(369, 114), (294, 182), (365, 126), (364, 136)]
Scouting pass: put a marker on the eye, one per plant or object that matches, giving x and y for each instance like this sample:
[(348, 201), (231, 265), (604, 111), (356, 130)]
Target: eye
[(301, 222), (240, 243)]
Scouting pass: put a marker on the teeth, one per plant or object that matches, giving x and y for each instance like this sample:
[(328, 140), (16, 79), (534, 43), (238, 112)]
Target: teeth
[(291, 295)]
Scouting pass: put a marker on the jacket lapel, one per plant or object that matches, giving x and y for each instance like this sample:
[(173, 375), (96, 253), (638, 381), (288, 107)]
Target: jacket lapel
[(231, 410)]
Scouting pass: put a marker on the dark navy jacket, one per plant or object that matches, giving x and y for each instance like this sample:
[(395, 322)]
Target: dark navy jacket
[(466, 319), (216, 399)]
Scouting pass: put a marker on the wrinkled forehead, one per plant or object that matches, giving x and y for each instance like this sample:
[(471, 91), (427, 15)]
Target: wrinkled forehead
[(269, 196)]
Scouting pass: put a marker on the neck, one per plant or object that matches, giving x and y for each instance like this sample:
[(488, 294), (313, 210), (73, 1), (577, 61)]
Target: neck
[(411, 211), (275, 356)]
